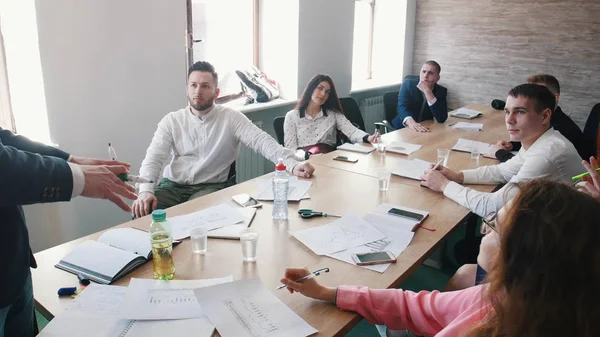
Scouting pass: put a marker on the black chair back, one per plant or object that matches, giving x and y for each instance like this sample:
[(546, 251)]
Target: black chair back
[(390, 105), (352, 112), (590, 131), (278, 126)]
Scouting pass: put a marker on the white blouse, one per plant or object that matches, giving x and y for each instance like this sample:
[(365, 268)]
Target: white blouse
[(300, 132)]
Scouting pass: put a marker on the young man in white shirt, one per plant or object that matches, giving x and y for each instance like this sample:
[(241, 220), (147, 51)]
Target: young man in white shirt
[(202, 141), (544, 153)]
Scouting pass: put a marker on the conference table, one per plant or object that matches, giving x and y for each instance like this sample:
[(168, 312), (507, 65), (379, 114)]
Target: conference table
[(337, 188)]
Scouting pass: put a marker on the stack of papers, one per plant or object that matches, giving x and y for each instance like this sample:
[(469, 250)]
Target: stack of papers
[(398, 233), (246, 308), (468, 126), (152, 308), (210, 218), (297, 189), (402, 148), (356, 148), (377, 231), (466, 145), (466, 113), (412, 169)]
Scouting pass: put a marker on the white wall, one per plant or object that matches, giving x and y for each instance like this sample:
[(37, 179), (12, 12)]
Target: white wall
[(325, 42), (112, 69)]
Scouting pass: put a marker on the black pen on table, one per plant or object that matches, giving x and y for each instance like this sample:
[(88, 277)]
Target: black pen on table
[(307, 277)]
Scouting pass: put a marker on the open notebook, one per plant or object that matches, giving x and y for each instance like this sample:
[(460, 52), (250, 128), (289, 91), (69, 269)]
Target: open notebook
[(356, 148), (467, 145), (412, 169), (115, 253)]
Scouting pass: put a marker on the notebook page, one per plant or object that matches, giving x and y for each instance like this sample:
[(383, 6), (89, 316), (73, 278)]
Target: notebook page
[(356, 148), (198, 327), (99, 258), (412, 169), (129, 239)]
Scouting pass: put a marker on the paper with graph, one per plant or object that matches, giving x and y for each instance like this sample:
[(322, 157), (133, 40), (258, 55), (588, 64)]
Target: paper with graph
[(210, 218), (246, 308), (154, 299), (348, 232), (398, 233)]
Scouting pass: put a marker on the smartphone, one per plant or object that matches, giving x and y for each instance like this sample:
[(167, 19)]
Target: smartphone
[(346, 159), (246, 200), (366, 259), (406, 214)]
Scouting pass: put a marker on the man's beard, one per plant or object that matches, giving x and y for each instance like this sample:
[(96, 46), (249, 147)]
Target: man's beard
[(200, 106)]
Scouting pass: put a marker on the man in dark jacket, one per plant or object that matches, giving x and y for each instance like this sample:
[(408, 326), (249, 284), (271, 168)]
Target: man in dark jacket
[(33, 173), (422, 99)]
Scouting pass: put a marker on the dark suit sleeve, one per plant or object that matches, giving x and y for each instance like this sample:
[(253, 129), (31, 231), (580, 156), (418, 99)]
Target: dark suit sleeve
[(403, 105), (440, 108), (503, 155), (29, 178), (24, 144), (516, 146)]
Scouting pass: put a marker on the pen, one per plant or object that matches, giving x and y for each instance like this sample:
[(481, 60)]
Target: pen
[(307, 277), (438, 164), (134, 179), (583, 175), (111, 152)]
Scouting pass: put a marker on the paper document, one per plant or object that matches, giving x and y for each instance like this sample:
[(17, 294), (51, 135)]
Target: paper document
[(210, 218), (297, 189), (468, 126), (466, 145), (233, 232), (402, 148), (412, 169), (95, 313), (398, 235), (246, 308), (466, 113), (154, 299), (356, 148), (348, 232)]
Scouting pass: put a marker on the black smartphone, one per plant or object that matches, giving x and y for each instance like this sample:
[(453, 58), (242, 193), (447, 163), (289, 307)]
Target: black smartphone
[(346, 159), (406, 214)]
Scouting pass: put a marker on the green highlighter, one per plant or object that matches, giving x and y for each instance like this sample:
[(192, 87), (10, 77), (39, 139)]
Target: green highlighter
[(129, 178), (583, 175)]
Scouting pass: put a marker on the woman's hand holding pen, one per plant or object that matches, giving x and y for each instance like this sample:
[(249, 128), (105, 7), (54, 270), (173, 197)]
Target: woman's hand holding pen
[(310, 288), (591, 185), (374, 138)]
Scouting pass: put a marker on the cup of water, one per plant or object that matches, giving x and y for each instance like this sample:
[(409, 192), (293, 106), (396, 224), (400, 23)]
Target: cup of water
[(381, 146), (384, 174), (199, 237), (249, 241), (475, 153), (443, 154)]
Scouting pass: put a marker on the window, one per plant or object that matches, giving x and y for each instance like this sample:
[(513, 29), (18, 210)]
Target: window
[(379, 42), (362, 49), (225, 34), (24, 70)]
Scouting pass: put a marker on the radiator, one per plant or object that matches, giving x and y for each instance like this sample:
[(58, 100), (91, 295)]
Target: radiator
[(372, 111), (249, 164)]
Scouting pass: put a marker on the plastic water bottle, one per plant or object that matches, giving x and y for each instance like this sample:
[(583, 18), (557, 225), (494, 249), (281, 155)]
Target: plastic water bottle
[(162, 246), (281, 184)]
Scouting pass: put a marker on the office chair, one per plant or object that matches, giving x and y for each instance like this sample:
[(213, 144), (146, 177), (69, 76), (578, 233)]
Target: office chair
[(590, 131), (390, 104), (278, 126)]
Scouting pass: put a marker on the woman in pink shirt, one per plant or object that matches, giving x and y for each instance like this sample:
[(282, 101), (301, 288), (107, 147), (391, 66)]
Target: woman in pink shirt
[(544, 282)]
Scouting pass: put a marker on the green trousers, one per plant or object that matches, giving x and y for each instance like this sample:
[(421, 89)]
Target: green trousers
[(170, 193)]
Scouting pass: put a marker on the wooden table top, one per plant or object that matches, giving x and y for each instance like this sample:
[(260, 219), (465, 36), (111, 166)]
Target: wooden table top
[(442, 136), (334, 190)]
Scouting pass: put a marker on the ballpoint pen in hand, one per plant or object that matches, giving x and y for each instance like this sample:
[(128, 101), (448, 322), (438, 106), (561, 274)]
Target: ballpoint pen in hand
[(438, 164), (307, 277), (111, 152)]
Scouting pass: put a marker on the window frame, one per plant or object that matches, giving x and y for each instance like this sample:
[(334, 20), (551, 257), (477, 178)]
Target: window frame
[(370, 40)]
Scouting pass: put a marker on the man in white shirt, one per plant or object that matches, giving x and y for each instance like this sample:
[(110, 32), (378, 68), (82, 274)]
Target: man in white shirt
[(202, 142), (544, 153)]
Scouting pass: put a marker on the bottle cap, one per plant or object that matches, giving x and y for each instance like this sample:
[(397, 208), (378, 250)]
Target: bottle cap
[(280, 166), (159, 215)]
